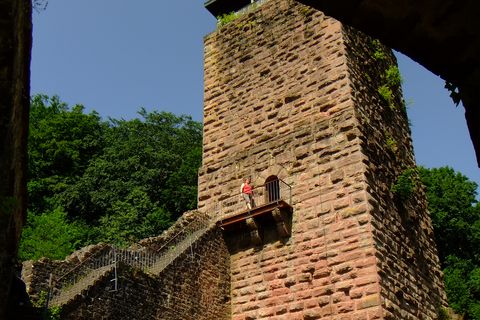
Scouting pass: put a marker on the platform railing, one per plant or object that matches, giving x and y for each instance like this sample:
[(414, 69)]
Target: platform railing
[(268, 193)]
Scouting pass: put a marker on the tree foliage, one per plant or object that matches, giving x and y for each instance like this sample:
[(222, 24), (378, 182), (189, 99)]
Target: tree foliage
[(456, 220), (61, 144), (50, 234), (157, 157), (122, 179), (453, 207)]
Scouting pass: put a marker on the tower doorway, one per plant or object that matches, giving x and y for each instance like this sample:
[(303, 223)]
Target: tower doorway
[(272, 189)]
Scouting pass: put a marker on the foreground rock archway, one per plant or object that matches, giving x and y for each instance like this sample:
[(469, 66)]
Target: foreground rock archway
[(15, 48)]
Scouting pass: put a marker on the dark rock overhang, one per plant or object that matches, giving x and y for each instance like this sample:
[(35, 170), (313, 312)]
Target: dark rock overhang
[(220, 7)]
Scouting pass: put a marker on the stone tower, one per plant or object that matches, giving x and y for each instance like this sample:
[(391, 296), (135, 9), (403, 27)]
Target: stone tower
[(291, 94)]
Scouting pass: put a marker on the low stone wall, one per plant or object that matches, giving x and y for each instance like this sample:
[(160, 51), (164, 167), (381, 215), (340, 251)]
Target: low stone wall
[(36, 274), (155, 244), (195, 286)]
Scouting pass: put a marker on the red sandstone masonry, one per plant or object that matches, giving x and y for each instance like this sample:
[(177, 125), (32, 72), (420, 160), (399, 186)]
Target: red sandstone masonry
[(412, 284), (278, 104), (282, 97)]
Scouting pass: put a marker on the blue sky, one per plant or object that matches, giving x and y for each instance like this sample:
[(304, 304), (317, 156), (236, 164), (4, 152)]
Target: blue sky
[(117, 56)]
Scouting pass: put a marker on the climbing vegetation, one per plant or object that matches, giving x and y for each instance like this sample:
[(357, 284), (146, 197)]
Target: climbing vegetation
[(406, 184), (391, 143), (391, 79), (387, 95), (379, 53), (226, 18)]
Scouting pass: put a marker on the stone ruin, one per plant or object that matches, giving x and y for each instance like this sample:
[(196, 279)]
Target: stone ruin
[(291, 100)]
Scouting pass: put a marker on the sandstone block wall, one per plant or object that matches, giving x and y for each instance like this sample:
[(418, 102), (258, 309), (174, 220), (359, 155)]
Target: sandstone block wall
[(15, 47), (285, 95), (411, 278), (272, 85)]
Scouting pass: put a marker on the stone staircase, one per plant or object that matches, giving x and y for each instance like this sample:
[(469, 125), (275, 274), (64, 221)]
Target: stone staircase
[(71, 292), (95, 269), (173, 252)]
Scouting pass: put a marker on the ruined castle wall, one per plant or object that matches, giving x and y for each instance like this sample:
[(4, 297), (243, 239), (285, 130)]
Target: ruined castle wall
[(193, 217), (195, 286), (287, 93), (15, 47), (411, 279), (278, 101), (36, 274)]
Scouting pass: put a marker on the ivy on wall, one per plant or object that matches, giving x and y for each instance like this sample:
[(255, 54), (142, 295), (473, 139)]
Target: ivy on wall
[(406, 184), (226, 18), (392, 79)]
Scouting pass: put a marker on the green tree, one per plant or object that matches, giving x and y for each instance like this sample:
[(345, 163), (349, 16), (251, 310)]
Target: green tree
[(51, 235), (61, 144), (131, 219), (148, 168), (454, 211), (456, 220)]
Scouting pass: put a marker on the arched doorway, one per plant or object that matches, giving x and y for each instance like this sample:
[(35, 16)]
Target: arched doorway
[(272, 189)]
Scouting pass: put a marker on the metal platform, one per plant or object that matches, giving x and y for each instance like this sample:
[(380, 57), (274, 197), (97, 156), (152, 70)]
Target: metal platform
[(267, 209)]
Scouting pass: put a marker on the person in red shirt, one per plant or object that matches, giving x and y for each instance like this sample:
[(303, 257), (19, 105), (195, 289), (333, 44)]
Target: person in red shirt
[(246, 190)]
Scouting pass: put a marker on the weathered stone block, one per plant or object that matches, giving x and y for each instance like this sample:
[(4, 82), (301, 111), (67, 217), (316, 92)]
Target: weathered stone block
[(312, 314)]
